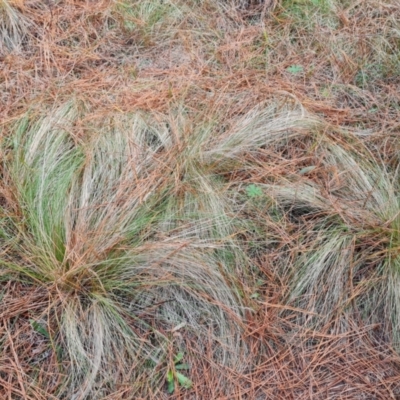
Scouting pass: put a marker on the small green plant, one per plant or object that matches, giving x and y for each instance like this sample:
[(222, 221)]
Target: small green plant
[(253, 191), (174, 376), (39, 328), (295, 69)]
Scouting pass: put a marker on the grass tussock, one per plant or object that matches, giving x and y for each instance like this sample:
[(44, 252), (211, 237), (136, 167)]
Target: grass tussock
[(346, 208), (199, 199), (120, 247), (14, 25)]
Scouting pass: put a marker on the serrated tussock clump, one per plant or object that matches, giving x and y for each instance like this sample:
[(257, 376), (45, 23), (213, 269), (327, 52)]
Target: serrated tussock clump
[(347, 215), (130, 235), (14, 26)]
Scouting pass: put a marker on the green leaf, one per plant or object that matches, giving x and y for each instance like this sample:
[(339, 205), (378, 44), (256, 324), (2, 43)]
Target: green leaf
[(182, 366), (253, 191), (39, 328), (255, 296), (171, 387), (171, 383), (59, 353), (184, 381), (306, 170), (179, 357), (170, 376), (295, 69)]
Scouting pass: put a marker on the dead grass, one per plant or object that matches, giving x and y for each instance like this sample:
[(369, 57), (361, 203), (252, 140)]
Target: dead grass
[(299, 99)]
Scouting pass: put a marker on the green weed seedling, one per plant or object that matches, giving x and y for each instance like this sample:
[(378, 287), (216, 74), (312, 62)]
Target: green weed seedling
[(253, 191), (39, 328), (295, 69), (174, 376)]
